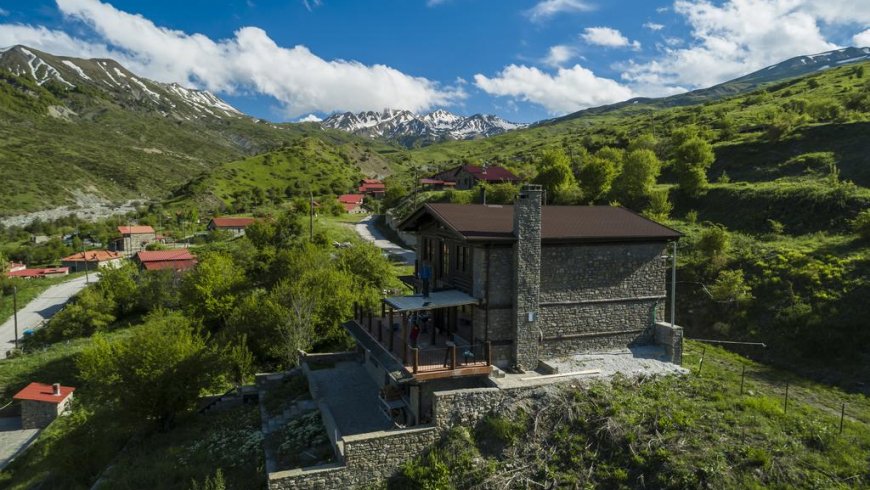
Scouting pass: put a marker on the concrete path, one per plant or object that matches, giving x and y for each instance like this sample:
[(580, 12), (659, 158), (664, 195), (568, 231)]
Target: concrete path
[(367, 230), (352, 398), (40, 309), (13, 439)]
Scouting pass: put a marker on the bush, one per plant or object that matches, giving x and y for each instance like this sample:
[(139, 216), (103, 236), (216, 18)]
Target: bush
[(861, 225)]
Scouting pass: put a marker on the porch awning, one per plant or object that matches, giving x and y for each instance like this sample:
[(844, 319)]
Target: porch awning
[(436, 299)]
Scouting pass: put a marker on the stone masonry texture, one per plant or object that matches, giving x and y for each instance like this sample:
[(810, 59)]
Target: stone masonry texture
[(527, 275)]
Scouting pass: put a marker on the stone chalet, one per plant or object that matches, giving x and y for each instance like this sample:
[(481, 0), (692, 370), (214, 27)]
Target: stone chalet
[(134, 238), (467, 176), (236, 226), (511, 286)]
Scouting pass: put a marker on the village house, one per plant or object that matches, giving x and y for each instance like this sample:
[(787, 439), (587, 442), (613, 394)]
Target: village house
[(235, 226), (38, 273), (373, 188), (178, 260), (352, 203), (134, 238), (91, 260), (15, 266), (511, 286), (467, 176), (42, 403)]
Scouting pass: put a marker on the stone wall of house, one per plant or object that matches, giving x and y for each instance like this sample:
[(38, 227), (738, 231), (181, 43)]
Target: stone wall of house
[(598, 297), (37, 415), (368, 459), (671, 337)]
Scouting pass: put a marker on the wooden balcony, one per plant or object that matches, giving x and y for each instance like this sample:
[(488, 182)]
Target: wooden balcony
[(437, 354)]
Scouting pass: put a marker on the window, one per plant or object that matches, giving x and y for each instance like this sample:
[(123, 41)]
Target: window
[(445, 260), (463, 264)]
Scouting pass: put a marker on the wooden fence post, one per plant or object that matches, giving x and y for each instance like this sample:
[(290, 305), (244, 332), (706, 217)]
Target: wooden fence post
[(416, 352), (453, 356), (742, 378), (842, 416), (487, 352)]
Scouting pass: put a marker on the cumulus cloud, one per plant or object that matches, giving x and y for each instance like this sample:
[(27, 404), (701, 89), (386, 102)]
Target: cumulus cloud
[(559, 55), (309, 118), (545, 9), (740, 36), (654, 26), (249, 62), (862, 39), (570, 89), (608, 37)]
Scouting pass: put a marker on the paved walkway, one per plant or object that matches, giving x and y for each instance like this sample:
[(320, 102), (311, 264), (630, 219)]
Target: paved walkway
[(13, 439), (40, 309), (352, 398), (369, 232)]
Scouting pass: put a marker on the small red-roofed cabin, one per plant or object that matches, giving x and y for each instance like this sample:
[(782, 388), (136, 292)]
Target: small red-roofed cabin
[(134, 238), (467, 176), (372, 187), (42, 403), (91, 260), (177, 260), (15, 266), (352, 203), (236, 226)]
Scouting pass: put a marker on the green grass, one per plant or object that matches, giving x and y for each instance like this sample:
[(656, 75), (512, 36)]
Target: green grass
[(688, 431)]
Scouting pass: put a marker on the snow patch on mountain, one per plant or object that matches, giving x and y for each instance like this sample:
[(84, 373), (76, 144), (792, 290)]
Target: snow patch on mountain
[(76, 68), (404, 125)]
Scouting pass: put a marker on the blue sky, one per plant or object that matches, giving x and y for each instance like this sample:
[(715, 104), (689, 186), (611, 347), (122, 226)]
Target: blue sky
[(523, 60)]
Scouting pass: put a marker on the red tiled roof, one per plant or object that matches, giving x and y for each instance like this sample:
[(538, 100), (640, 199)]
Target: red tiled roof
[(163, 255), (558, 223), (37, 272), (350, 206), (232, 222), (92, 256), (179, 265), (351, 198), (134, 230), (43, 393), (372, 181)]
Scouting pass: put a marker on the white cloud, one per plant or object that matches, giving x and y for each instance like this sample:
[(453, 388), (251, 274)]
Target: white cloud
[(311, 4), (435, 3), (740, 36), (570, 89), (545, 9), (559, 55), (654, 26), (862, 39), (309, 118), (3, 12), (249, 62), (607, 36)]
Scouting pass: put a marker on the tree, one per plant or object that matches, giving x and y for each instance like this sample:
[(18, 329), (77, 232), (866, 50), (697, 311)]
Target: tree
[(596, 177), (639, 172), (692, 158), (861, 225), (730, 286), (258, 318), (554, 173), (87, 314), (371, 272), (645, 141), (156, 372), (714, 244), (157, 289), (503, 193), (120, 285), (209, 291), (659, 205)]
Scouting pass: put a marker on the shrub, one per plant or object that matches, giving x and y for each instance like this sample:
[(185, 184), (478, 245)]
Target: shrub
[(861, 224)]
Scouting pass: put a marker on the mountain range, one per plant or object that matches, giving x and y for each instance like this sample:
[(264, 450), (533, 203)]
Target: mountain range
[(412, 129)]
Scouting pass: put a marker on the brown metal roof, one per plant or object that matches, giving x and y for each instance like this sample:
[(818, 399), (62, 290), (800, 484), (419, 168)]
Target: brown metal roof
[(558, 223)]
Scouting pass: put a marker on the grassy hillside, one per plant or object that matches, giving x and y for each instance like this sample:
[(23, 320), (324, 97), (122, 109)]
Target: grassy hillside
[(306, 165), (60, 145), (705, 430)]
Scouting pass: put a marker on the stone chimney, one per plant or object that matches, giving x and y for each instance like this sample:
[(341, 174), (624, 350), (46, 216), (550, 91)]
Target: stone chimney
[(527, 276), (55, 389)]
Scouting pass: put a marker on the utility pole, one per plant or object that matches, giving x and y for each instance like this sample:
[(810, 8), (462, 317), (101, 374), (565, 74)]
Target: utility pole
[(674, 286), (85, 259), (15, 312), (416, 181)]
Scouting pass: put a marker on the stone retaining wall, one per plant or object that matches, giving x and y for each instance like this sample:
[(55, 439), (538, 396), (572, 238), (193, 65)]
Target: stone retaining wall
[(368, 459)]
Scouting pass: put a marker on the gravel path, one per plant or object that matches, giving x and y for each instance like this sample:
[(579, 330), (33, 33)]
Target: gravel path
[(369, 232), (40, 309)]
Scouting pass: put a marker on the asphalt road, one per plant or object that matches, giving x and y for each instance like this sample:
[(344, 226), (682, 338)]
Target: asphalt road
[(367, 230), (42, 308)]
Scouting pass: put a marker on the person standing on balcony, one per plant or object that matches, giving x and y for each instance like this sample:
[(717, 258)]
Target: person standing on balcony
[(425, 277), (415, 334)]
